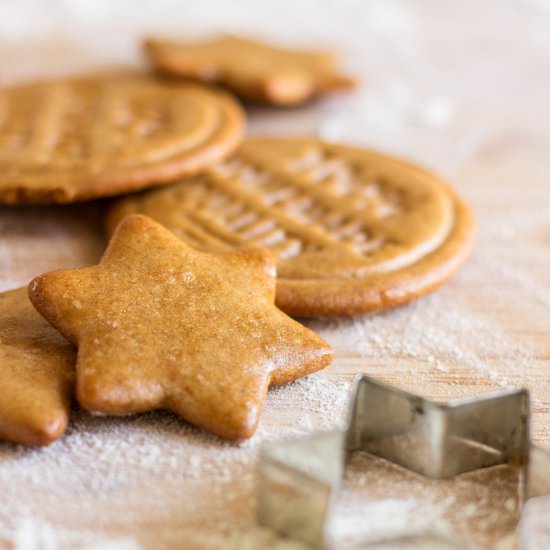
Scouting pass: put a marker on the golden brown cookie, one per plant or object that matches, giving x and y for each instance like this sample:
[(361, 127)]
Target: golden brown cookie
[(253, 70), (354, 231), (161, 325), (36, 372), (89, 137)]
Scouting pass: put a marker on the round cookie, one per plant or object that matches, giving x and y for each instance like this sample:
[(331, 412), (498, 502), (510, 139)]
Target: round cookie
[(354, 231), (82, 138)]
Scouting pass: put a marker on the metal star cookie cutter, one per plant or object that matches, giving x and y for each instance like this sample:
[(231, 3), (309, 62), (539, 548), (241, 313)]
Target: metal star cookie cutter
[(298, 480)]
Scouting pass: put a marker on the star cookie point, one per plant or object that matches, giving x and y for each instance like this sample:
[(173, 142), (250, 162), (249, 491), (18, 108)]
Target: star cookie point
[(37, 372), (250, 68)]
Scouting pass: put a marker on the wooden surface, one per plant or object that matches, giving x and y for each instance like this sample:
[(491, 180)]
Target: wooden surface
[(462, 90)]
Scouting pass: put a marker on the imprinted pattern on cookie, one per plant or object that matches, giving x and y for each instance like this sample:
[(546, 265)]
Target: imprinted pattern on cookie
[(96, 136), (281, 214), (301, 210), (334, 215), (319, 202)]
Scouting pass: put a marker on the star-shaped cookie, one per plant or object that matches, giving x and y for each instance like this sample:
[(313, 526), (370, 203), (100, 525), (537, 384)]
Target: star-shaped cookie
[(36, 372), (253, 70), (159, 324)]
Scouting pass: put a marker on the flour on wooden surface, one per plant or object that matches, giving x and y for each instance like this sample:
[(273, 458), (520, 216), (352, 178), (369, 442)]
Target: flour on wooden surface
[(439, 90), (115, 476)]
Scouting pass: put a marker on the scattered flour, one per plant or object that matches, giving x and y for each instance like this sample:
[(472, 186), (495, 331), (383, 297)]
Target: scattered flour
[(153, 482), (109, 478), (534, 529)]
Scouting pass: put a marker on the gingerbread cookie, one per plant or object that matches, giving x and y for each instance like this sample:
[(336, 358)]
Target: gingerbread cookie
[(83, 138), (354, 231), (161, 325), (37, 373), (253, 70)]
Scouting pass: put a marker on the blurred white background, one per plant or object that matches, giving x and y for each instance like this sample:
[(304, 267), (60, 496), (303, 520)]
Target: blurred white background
[(440, 77)]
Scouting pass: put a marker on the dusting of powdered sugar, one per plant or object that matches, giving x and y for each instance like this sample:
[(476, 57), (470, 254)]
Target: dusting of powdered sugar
[(469, 327), (381, 501), (151, 481), (438, 331), (115, 476), (534, 528), (381, 505), (109, 480)]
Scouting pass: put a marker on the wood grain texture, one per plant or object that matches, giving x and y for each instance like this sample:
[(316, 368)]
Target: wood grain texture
[(438, 90)]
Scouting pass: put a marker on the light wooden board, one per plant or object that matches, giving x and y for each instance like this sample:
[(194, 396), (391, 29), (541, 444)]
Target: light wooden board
[(439, 90)]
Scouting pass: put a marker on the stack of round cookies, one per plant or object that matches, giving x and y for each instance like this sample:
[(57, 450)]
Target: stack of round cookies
[(213, 244)]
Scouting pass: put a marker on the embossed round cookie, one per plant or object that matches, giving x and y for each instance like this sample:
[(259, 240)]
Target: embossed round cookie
[(88, 137), (354, 231)]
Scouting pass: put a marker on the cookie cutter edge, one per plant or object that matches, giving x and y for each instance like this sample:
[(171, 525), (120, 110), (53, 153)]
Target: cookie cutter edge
[(298, 480)]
